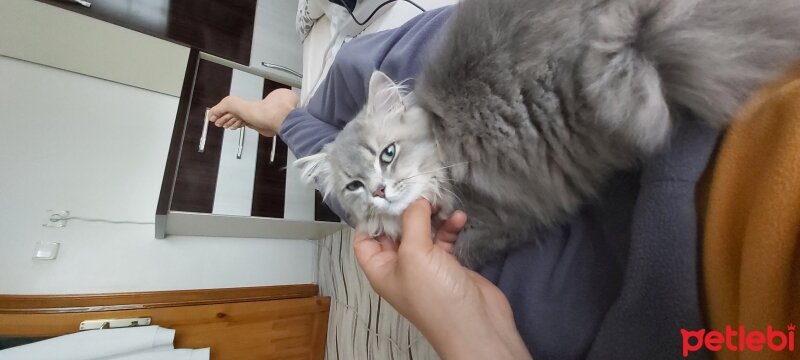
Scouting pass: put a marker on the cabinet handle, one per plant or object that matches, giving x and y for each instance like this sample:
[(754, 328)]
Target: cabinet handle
[(272, 154), (282, 78), (241, 143), (281, 68), (81, 2), (202, 146)]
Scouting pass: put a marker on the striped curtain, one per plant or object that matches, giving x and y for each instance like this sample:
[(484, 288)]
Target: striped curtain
[(362, 325)]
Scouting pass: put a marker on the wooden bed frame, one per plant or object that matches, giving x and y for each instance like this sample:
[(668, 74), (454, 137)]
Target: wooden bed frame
[(277, 322)]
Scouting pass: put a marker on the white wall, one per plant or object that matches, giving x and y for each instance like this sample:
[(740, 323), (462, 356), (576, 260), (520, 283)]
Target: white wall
[(98, 149)]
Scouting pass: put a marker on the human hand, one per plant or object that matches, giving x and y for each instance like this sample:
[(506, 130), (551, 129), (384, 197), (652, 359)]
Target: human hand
[(265, 116), (463, 315)]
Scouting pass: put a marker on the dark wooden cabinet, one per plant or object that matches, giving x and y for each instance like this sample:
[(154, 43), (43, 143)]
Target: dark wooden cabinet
[(190, 177), (196, 177)]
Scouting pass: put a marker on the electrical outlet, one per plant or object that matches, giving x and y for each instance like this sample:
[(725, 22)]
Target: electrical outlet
[(56, 218), (46, 250)]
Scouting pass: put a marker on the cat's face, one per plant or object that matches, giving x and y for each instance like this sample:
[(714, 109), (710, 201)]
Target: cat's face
[(381, 161)]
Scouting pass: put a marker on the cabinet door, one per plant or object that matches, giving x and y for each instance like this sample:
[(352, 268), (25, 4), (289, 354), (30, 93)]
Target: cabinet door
[(259, 183), (52, 36), (275, 41)]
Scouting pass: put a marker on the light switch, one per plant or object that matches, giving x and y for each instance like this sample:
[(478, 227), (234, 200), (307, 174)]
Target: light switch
[(46, 250)]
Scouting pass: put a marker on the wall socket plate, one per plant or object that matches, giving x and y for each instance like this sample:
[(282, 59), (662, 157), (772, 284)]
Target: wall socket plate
[(56, 218), (46, 250)]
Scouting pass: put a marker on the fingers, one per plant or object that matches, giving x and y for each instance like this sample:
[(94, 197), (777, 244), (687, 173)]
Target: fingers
[(226, 113), (224, 107), (227, 121), (417, 227), (377, 258), (448, 247), (387, 244), (215, 113), (365, 248), (222, 120), (447, 234), (449, 230), (229, 124)]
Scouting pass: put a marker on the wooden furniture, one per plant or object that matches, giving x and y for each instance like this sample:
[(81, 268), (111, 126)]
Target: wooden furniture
[(278, 322), (187, 197), (220, 27)]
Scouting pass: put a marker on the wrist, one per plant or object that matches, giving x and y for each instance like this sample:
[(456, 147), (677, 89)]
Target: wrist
[(491, 347), (488, 340)]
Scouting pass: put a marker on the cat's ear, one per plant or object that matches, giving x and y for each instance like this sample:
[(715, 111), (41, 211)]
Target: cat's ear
[(316, 169), (384, 95)]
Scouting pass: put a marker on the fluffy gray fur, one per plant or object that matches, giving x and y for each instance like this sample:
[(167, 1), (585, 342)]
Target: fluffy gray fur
[(535, 103), (389, 118)]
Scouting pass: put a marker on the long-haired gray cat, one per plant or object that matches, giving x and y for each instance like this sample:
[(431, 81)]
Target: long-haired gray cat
[(528, 106)]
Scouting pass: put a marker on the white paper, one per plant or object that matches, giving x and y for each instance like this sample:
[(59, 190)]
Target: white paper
[(170, 354), (93, 344)]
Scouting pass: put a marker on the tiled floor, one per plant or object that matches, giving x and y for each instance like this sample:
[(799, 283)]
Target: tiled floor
[(362, 325)]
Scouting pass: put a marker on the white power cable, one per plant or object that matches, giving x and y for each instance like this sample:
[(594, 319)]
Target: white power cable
[(58, 217)]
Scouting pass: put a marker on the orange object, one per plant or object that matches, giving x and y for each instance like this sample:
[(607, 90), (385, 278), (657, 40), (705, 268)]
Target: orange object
[(751, 245)]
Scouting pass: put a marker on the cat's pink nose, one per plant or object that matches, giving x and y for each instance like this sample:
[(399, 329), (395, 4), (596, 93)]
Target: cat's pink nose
[(380, 192)]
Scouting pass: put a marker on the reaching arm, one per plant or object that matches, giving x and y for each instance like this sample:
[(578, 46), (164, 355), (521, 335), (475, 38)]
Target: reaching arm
[(305, 134)]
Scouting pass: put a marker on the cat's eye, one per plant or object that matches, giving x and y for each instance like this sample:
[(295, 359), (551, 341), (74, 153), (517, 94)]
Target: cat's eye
[(387, 155), (355, 185)]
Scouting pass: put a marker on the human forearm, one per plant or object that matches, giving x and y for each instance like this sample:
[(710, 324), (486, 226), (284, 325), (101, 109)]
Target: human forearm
[(477, 339), (305, 134), (499, 347)]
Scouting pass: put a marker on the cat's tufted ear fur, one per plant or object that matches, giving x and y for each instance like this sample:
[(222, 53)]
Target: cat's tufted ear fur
[(316, 169), (385, 96)]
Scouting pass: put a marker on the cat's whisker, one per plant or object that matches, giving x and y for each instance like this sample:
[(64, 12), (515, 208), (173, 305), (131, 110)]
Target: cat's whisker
[(435, 170), (454, 196), (439, 186), (448, 181)]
